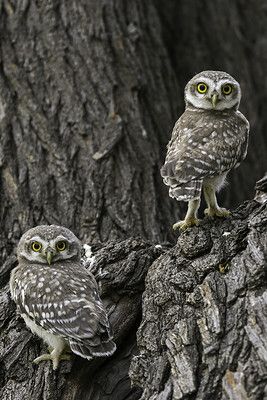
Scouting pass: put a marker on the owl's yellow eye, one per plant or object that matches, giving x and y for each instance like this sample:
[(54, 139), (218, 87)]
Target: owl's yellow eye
[(36, 246), (61, 245), (227, 89), (202, 88)]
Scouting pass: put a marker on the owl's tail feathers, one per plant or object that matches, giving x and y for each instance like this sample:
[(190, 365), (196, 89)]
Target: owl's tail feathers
[(186, 191), (180, 188), (86, 350)]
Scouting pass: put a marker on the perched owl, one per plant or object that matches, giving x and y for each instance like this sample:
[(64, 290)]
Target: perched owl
[(208, 140), (57, 297)]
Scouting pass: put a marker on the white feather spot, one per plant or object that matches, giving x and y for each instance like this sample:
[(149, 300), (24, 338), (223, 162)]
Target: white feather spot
[(144, 133)]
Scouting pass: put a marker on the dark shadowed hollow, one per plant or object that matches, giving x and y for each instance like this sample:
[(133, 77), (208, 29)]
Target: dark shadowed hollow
[(89, 93)]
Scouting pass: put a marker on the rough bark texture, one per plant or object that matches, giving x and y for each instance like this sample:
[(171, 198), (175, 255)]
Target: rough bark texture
[(204, 328), (82, 136), (89, 93)]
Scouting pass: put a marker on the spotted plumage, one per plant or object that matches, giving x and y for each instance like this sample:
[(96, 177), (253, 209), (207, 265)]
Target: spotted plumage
[(57, 297), (208, 140)]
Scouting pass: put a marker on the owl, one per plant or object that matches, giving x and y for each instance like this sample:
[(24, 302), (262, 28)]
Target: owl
[(57, 297), (208, 140)]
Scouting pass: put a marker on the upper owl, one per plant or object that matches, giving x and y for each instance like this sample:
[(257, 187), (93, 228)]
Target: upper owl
[(208, 140), (213, 90)]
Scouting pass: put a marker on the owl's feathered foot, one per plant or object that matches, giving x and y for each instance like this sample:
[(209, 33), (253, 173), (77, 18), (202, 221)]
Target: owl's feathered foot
[(217, 212), (186, 223), (54, 356)]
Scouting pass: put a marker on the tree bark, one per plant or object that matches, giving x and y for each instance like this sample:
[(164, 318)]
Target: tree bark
[(82, 135), (89, 93), (203, 332)]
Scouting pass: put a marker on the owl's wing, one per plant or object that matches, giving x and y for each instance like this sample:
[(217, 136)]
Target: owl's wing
[(202, 148), (243, 131), (67, 303)]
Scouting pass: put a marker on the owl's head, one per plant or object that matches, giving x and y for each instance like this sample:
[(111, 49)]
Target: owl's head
[(47, 244), (213, 90)]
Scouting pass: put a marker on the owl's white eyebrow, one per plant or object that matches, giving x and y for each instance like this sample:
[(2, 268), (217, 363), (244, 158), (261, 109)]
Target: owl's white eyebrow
[(35, 239), (208, 81), (61, 237), (222, 81)]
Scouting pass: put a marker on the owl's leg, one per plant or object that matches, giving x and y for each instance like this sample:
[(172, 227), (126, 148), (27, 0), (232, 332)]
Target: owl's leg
[(213, 209), (57, 348), (56, 345), (66, 350), (191, 216)]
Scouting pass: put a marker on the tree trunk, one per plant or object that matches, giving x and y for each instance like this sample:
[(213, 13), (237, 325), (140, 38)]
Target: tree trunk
[(89, 93), (204, 329)]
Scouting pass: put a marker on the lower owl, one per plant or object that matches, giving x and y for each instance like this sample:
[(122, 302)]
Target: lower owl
[(208, 140), (57, 297)]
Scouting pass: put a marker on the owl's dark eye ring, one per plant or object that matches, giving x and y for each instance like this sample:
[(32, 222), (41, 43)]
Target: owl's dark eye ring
[(227, 89), (61, 245), (202, 88), (36, 246)]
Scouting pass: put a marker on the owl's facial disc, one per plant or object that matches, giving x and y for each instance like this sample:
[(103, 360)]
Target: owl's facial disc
[(206, 93), (46, 244), (40, 250)]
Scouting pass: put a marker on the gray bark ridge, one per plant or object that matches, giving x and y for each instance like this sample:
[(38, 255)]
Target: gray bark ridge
[(204, 328)]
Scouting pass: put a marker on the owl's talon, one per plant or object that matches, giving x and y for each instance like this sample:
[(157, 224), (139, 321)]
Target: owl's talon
[(43, 357), (55, 358), (186, 223), (217, 212)]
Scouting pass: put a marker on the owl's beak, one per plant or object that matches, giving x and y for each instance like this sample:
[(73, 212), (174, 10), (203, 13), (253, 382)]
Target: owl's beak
[(214, 99), (49, 256)]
